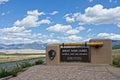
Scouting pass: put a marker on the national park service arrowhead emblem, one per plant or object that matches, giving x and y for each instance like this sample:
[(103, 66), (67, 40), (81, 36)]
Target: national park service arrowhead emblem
[(51, 54)]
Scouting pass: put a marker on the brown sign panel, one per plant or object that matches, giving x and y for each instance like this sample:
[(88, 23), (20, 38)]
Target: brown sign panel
[(74, 54)]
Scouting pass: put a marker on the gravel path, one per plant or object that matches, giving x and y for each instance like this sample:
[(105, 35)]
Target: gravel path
[(43, 72)]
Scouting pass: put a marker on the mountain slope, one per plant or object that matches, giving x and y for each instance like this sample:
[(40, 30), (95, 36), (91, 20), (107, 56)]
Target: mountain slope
[(42, 46), (115, 44), (34, 45)]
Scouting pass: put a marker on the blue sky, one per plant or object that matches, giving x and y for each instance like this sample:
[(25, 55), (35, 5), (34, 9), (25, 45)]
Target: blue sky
[(58, 21)]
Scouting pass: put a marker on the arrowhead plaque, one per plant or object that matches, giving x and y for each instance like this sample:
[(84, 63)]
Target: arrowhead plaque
[(51, 54)]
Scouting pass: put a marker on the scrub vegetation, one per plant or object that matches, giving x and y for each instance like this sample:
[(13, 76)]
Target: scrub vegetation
[(19, 68), (18, 57), (116, 57)]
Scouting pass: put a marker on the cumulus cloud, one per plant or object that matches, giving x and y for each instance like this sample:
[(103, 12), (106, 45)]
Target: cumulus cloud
[(54, 12), (13, 29), (69, 18), (14, 35), (74, 31), (109, 35), (15, 32), (80, 28), (118, 25), (67, 29), (32, 20), (59, 28), (3, 1), (35, 13), (44, 21), (20, 33), (52, 41), (97, 15), (70, 38), (11, 40), (87, 39), (74, 38)]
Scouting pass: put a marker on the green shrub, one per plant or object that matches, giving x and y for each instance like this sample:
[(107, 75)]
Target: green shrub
[(116, 62), (25, 64), (16, 70), (39, 62), (13, 72), (4, 73)]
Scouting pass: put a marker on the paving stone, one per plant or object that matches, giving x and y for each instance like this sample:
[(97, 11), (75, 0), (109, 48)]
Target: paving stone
[(44, 72)]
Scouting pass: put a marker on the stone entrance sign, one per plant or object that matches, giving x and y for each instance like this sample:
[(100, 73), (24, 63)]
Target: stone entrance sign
[(74, 55), (99, 52)]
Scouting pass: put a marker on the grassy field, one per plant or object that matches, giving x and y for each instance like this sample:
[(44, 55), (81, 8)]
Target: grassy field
[(116, 53), (17, 57), (116, 57)]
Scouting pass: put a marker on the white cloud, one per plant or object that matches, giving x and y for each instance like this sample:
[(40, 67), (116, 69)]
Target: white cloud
[(98, 15), (110, 1), (75, 31), (72, 32), (32, 20), (14, 36), (15, 32), (109, 35), (44, 21), (13, 29), (59, 28), (54, 12), (91, 35), (70, 38), (118, 25), (35, 13), (74, 38), (3, 14), (41, 36), (90, 0), (114, 1), (3, 1), (19, 33), (80, 28), (67, 29), (89, 30), (13, 40), (69, 19), (52, 41), (86, 40)]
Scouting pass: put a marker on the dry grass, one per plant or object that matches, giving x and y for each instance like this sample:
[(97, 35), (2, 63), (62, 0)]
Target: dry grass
[(116, 57), (17, 57), (116, 53)]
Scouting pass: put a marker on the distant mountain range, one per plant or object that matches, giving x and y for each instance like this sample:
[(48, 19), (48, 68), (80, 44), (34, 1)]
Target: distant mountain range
[(116, 44), (34, 45), (42, 46)]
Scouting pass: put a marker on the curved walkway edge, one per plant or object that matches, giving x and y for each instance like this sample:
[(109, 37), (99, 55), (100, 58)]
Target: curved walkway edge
[(61, 72)]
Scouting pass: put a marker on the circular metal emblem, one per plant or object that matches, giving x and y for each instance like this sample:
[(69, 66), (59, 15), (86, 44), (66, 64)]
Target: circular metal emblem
[(51, 54)]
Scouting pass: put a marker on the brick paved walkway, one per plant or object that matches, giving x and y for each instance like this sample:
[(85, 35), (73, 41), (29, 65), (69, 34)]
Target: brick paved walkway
[(43, 72)]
